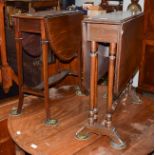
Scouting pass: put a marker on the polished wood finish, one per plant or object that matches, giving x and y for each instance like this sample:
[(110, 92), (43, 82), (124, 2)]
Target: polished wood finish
[(135, 124), (7, 146), (115, 29), (68, 46), (7, 75), (112, 57), (49, 25), (32, 53), (146, 77), (66, 41)]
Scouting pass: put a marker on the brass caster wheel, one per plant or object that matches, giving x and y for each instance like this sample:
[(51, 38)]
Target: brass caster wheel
[(14, 112), (51, 122), (82, 136), (118, 146)]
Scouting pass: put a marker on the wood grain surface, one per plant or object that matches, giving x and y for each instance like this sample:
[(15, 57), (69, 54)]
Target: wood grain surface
[(134, 123)]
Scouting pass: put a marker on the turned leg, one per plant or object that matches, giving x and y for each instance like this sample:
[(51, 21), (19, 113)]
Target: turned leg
[(44, 42), (93, 112), (117, 142), (112, 58), (93, 83), (105, 127)]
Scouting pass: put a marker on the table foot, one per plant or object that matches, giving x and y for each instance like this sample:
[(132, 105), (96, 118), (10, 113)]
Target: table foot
[(99, 129), (129, 94), (117, 143), (14, 112), (81, 135), (134, 98), (51, 122), (78, 91)]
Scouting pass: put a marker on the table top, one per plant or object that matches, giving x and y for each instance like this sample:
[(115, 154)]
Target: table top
[(114, 17), (31, 134), (44, 14)]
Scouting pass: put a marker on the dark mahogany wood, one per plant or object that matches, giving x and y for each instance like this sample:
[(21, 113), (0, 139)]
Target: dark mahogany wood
[(119, 30), (116, 28), (66, 41), (28, 131), (7, 146), (146, 77), (51, 26)]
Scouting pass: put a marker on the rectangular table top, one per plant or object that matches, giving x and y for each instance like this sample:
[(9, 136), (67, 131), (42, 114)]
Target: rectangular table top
[(44, 14), (114, 17)]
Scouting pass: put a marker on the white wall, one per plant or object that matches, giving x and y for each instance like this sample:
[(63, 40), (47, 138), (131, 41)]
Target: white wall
[(80, 2)]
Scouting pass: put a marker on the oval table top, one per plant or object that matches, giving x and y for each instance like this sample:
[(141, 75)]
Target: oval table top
[(31, 134)]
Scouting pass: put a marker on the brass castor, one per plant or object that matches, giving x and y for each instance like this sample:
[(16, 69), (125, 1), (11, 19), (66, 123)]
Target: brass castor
[(14, 112), (51, 122)]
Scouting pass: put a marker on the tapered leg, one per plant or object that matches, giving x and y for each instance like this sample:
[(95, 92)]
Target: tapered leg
[(79, 87), (44, 42), (18, 38)]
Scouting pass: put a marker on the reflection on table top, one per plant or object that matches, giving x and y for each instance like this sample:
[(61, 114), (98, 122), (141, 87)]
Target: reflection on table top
[(114, 17), (44, 14)]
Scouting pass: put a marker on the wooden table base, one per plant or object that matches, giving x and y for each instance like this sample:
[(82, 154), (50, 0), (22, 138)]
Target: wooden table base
[(106, 127)]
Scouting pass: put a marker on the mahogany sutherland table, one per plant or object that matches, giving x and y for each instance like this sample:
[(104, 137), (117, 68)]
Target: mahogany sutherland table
[(35, 23), (123, 31)]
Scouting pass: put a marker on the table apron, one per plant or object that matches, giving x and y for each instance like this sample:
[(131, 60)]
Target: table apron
[(103, 33), (30, 25)]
